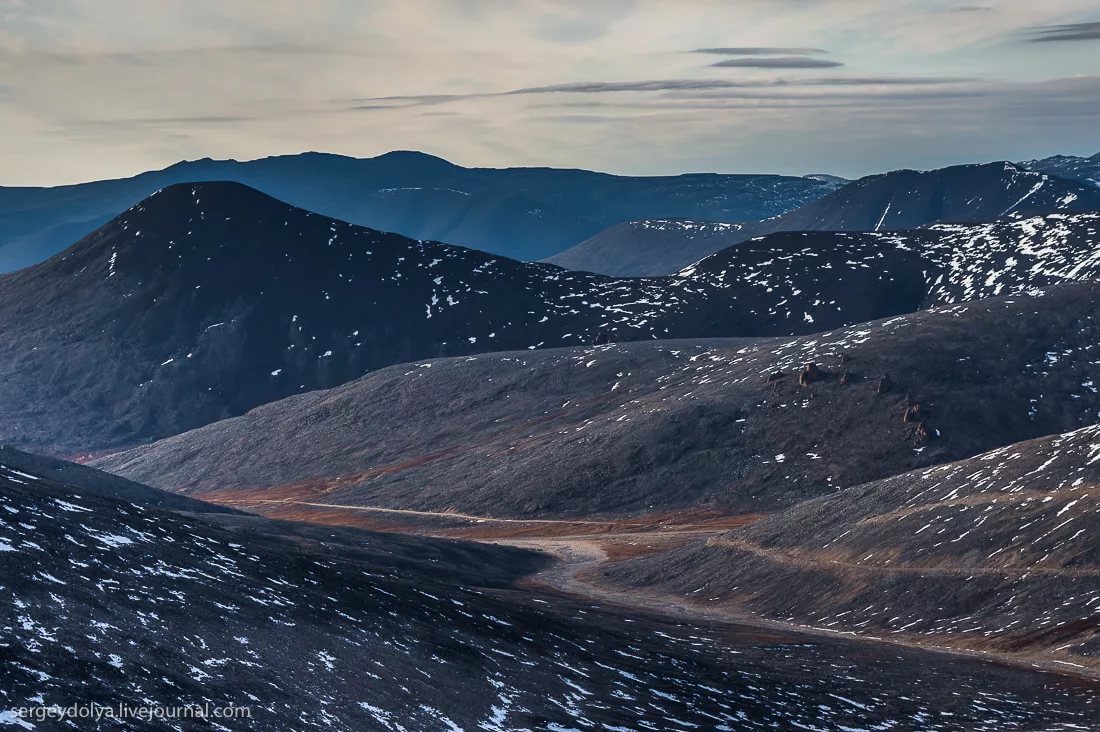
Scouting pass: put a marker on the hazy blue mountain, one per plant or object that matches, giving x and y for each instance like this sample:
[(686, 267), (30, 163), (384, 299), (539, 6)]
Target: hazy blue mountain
[(524, 213)]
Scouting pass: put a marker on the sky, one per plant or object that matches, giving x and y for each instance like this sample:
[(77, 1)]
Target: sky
[(93, 89)]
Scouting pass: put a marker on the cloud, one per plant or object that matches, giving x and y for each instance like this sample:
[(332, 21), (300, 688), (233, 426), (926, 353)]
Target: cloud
[(1068, 32), (601, 87), (95, 88), (139, 122), (648, 85), (760, 51), (778, 62)]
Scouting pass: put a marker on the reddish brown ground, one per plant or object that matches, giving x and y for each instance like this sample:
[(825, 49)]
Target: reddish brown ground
[(305, 502), (581, 546)]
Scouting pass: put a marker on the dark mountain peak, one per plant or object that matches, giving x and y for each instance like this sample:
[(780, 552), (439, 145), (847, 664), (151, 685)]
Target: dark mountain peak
[(414, 160), (200, 216), (199, 234), (410, 155), (217, 193)]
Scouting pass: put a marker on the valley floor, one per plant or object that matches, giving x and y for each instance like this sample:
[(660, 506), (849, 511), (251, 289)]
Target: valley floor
[(583, 551)]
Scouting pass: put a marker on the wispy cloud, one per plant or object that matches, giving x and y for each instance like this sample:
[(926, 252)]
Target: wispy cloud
[(650, 86), (759, 51)]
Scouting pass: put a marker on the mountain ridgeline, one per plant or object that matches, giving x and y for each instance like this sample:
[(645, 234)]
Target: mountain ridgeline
[(363, 480), (895, 201), (208, 300), (524, 213)]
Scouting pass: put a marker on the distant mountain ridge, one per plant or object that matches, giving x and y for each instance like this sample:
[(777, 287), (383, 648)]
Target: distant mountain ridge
[(900, 200), (1086, 170), (524, 213)]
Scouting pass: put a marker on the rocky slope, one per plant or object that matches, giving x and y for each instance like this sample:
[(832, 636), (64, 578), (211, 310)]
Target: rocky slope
[(206, 301), (656, 427), (903, 199), (115, 602), (990, 553), (526, 213)]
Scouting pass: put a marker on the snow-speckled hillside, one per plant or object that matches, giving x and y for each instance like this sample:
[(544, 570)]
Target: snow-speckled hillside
[(997, 552), (115, 602), (958, 262), (639, 429), (206, 301), (896, 201)]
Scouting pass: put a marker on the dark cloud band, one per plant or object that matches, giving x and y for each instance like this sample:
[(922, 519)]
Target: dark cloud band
[(778, 62), (657, 85), (1070, 32)]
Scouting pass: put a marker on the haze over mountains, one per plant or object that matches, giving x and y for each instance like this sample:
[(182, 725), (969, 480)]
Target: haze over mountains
[(524, 213), (529, 213), (899, 200)]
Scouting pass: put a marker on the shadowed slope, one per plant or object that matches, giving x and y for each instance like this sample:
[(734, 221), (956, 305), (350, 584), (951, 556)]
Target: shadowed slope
[(650, 427)]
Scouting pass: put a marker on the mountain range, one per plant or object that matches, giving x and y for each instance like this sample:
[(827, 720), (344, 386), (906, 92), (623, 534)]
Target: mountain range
[(831, 468), (1086, 170), (899, 200), (207, 300), (524, 213)]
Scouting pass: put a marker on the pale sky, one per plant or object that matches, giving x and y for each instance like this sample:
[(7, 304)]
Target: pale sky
[(93, 89)]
